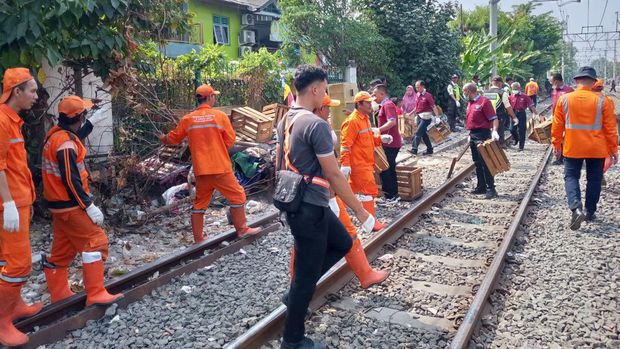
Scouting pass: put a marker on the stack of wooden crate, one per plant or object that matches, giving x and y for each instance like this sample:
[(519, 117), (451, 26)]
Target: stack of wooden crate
[(251, 125), (541, 133), (494, 157), (439, 132), (345, 93), (409, 179), (276, 111)]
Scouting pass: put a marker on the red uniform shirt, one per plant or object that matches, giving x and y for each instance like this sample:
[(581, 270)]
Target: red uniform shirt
[(557, 92), (425, 103), (480, 114), (389, 112), (520, 101)]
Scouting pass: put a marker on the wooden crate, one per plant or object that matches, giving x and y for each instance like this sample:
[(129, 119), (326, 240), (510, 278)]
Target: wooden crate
[(406, 126), (409, 182), (494, 157), (439, 132), (381, 162), (251, 125), (344, 91), (275, 111), (541, 133)]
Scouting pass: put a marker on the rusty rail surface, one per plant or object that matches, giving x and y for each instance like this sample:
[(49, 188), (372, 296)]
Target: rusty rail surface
[(55, 320), (270, 326), (472, 318)]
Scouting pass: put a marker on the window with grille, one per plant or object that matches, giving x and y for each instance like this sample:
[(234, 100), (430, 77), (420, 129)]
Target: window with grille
[(221, 30)]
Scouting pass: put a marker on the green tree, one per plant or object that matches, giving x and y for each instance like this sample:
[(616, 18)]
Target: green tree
[(93, 35), (261, 70), (422, 46), (336, 30)]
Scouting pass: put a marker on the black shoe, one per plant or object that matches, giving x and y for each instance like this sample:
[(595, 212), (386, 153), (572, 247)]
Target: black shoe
[(428, 152), (558, 162), (516, 142), (576, 219), (520, 149), (305, 343), (284, 300), (479, 191), (590, 217), (413, 151), (491, 193)]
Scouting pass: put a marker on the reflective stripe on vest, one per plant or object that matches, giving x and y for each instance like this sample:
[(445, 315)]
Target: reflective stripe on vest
[(206, 126), (16, 140), (53, 169), (596, 126), (366, 130)]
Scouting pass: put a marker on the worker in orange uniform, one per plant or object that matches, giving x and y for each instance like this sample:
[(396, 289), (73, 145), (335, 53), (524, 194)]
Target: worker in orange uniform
[(210, 135), (356, 257), (531, 90), (76, 221), (584, 130), (357, 157), (19, 93)]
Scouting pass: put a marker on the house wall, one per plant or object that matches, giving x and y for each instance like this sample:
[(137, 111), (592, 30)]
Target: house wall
[(203, 13)]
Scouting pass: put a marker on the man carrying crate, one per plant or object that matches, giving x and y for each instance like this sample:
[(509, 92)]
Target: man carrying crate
[(483, 124), (210, 135)]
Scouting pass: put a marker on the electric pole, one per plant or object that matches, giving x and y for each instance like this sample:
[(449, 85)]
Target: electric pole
[(493, 4)]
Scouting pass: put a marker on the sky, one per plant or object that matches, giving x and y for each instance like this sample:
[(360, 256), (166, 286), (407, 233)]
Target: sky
[(577, 18)]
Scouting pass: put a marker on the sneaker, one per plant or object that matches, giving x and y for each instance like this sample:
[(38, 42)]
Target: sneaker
[(428, 152), (479, 191), (576, 219), (388, 201), (412, 151), (590, 217), (491, 193), (305, 343)]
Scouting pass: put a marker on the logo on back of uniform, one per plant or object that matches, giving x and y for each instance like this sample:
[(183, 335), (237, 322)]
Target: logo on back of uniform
[(203, 118), (477, 107)]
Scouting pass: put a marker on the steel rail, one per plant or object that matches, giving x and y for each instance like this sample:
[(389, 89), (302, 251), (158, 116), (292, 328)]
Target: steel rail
[(56, 319), (472, 318), (270, 326)]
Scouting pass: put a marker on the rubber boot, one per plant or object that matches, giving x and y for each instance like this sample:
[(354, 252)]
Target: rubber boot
[(369, 206), (93, 280), (239, 221), (198, 222), (58, 283), (357, 261), (9, 335), (23, 310)]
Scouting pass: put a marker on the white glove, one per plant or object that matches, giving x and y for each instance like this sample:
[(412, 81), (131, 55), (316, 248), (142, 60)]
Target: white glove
[(458, 104), (515, 121), (495, 136), (333, 205), (437, 120), (369, 224), (11, 217), (346, 171), (387, 139), (95, 214), (376, 131)]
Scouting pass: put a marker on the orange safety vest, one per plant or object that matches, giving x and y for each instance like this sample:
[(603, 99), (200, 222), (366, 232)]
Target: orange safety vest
[(586, 124), (357, 142), (54, 189), (531, 88), (210, 135)]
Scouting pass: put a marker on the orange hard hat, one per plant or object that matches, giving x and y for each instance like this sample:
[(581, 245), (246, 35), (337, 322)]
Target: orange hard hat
[(12, 78), (72, 106), (328, 102), (363, 97), (206, 91)]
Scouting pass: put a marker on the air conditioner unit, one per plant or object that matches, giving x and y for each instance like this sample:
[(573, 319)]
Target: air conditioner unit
[(248, 37), (244, 49), (247, 19)]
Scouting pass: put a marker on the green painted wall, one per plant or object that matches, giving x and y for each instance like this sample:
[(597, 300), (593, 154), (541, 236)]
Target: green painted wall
[(203, 13)]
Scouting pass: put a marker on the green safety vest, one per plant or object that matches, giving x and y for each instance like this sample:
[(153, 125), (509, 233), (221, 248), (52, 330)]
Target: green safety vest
[(457, 92), (495, 96)]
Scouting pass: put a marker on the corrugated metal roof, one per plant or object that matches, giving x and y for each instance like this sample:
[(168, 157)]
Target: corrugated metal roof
[(253, 4)]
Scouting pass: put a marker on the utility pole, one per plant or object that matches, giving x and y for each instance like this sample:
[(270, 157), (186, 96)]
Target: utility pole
[(493, 5), (615, 54)]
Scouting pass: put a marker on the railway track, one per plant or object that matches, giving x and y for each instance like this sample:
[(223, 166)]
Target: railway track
[(56, 320)]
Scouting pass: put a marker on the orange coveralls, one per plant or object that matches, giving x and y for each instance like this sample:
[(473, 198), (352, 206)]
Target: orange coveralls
[(15, 253)]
